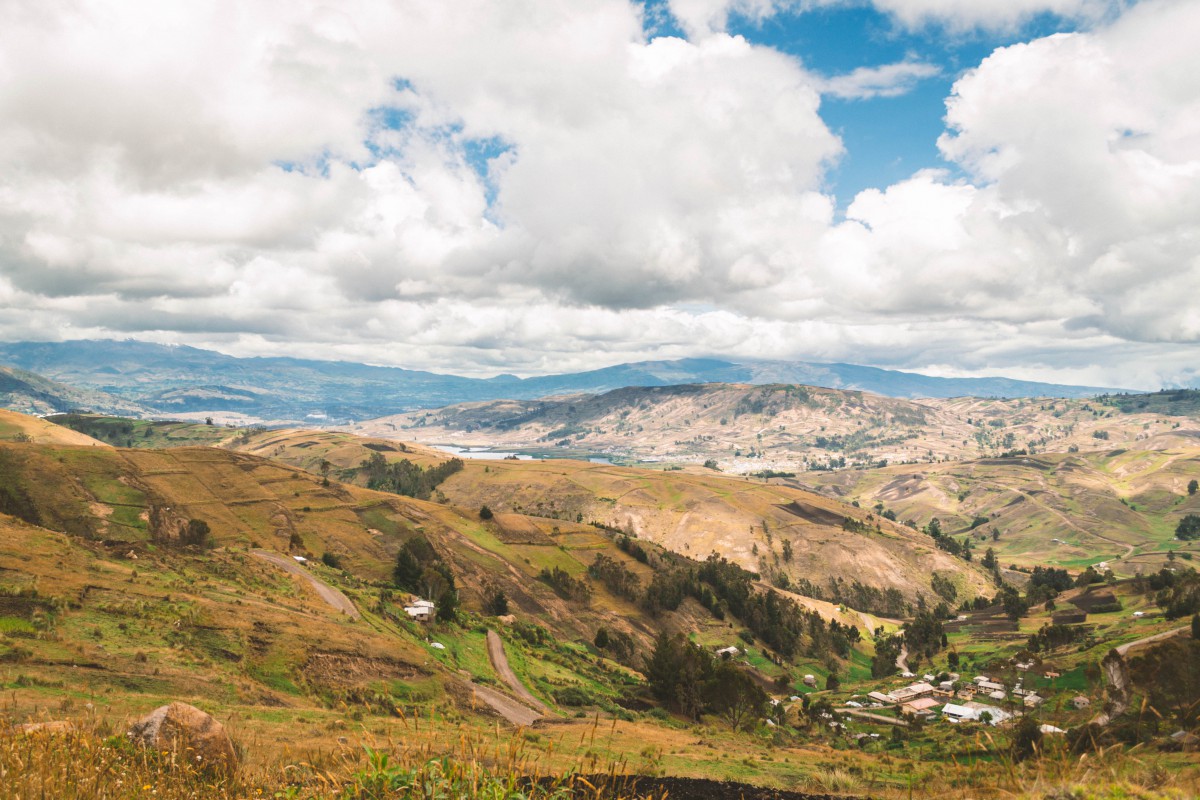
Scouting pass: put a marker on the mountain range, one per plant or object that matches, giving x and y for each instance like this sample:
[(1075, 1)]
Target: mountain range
[(163, 379)]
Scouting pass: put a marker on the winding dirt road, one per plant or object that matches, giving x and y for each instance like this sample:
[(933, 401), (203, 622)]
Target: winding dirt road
[(499, 659), (330, 595)]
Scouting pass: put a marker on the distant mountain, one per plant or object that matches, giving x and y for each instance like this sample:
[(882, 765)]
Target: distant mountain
[(29, 393), (176, 379)]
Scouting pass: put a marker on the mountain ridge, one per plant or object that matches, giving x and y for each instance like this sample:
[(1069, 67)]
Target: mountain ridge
[(184, 379)]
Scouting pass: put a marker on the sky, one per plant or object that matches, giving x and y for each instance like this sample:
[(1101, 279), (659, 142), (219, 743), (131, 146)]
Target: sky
[(957, 187)]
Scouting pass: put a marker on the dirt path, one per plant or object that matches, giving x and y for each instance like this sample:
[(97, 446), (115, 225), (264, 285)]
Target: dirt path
[(902, 659), (1125, 648), (518, 714), (330, 595), (499, 659)]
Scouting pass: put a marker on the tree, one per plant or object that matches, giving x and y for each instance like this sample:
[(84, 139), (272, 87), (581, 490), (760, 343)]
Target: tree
[(1015, 606), (1026, 738), (496, 603), (952, 660), (1196, 626), (324, 466), (601, 640), (735, 696), (1188, 528), (485, 513), (1193, 486), (832, 682), (407, 573), (678, 672)]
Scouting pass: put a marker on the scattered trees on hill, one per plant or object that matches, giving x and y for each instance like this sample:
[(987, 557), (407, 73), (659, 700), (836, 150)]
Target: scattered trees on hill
[(406, 478), (1051, 637), (1193, 486), (566, 585), (616, 577), (689, 680)]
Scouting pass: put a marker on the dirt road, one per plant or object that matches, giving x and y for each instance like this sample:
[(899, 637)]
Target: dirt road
[(330, 595), (1125, 648), (499, 661), (902, 658)]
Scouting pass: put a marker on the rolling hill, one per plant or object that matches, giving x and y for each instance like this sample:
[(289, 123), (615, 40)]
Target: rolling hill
[(788, 428), (1119, 507)]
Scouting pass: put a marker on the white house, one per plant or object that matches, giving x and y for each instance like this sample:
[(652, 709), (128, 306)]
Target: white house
[(728, 652), (973, 713)]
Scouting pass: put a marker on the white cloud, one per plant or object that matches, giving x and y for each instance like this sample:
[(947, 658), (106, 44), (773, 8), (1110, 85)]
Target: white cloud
[(888, 80), (223, 175)]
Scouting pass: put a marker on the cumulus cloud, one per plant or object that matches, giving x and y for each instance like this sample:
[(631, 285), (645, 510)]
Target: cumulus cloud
[(540, 186)]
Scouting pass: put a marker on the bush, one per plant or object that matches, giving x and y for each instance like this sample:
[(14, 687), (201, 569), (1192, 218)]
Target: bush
[(572, 696), (331, 560)]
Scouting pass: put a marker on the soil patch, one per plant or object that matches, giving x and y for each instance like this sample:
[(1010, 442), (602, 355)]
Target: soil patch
[(608, 786), (820, 516)]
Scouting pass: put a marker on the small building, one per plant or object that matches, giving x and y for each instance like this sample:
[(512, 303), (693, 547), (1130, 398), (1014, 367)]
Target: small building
[(1139, 613), (922, 706), (420, 610), (999, 694), (928, 678), (810, 680), (974, 713), (729, 652), (911, 692), (1033, 701), (907, 674), (880, 697), (990, 686), (946, 686), (300, 559), (978, 679), (1079, 701)]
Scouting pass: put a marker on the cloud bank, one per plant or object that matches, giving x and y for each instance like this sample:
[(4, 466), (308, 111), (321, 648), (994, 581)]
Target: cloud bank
[(538, 186)]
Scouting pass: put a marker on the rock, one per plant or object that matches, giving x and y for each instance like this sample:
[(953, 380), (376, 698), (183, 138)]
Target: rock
[(55, 727), (508, 619), (189, 731)]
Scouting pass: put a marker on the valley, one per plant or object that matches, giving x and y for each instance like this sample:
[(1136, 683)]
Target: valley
[(268, 576)]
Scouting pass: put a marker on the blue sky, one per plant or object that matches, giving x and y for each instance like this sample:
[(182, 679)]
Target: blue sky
[(887, 139)]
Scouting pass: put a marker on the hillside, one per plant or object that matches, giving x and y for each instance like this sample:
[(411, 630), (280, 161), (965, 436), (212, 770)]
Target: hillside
[(783, 427), (16, 427), (185, 380), (694, 513), (1118, 506), (29, 393)]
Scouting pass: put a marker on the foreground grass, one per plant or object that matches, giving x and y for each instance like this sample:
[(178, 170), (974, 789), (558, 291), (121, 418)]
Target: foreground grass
[(94, 763)]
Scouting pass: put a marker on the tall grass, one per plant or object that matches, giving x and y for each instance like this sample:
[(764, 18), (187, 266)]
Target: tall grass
[(92, 761)]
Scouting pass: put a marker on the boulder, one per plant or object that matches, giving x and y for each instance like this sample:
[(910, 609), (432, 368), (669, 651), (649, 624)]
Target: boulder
[(188, 731)]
